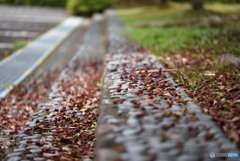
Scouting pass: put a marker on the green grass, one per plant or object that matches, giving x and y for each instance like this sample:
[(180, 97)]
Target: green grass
[(135, 16), (19, 44), (223, 8), (100, 82), (165, 40), (175, 12)]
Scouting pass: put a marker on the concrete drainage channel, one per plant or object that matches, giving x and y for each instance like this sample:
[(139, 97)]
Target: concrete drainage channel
[(17, 67), (64, 127)]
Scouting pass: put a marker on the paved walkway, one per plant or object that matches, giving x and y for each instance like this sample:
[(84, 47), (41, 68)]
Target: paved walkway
[(145, 116), (17, 67)]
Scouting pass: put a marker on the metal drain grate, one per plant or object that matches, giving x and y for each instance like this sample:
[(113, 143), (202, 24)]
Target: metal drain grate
[(15, 68)]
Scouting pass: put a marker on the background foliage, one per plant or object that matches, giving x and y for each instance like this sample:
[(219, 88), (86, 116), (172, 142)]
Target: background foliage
[(87, 7), (76, 7), (50, 3)]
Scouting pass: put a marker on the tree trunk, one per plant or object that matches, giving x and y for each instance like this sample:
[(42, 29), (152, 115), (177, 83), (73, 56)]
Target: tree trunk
[(161, 2), (197, 5)]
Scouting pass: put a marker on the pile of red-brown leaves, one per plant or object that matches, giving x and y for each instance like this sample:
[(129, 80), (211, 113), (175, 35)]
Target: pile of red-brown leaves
[(216, 91), (73, 123), (18, 106), (78, 115)]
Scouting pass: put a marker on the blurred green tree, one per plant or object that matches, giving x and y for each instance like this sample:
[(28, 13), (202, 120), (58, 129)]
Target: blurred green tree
[(87, 7)]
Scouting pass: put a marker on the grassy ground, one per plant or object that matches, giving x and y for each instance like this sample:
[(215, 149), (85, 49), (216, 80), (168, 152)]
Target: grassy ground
[(16, 46), (192, 42), (163, 40)]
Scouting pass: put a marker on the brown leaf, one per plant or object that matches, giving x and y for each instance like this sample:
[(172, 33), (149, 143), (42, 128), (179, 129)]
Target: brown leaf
[(235, 119), (49, 155), (167, 94), (184, 110), (65, 148), (233, 89), (209, 73)]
